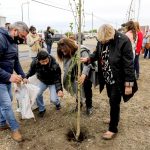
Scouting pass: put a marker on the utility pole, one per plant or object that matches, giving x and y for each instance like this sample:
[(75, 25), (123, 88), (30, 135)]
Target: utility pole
[(139, 10), (28, 14), (22, 12), (92, 24), (129, 15)]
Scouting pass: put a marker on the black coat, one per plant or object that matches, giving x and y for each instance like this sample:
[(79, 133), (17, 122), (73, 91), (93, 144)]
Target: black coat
[(48, 37), (120, 60), (49, 74)]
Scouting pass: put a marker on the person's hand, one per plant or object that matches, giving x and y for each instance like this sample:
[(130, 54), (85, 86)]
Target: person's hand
[(25, 81), (39, 39), (60, 93), (84, 59), (82, 79), (15, 78), (128, 90)]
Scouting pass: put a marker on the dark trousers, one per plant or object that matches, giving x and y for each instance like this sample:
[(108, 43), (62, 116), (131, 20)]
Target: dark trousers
[(146, 51), (88, 93), (114, 101), (49, 47), (136, 65)]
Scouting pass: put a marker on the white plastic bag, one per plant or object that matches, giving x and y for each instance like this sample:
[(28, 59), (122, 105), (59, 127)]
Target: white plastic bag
[(33, 80), (26, 95)]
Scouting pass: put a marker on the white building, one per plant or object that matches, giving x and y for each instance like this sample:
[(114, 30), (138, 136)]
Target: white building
[(2, 21)]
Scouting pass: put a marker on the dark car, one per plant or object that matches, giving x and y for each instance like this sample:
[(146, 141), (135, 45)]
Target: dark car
[(57, 37)]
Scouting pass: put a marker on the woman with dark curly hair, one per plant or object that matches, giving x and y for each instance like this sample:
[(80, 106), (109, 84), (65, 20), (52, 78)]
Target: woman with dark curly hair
[(67, 53)]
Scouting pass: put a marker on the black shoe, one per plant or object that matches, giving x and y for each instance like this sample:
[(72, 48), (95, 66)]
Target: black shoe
[(5, 127), (58, 107), (89, 111), (41, 113)]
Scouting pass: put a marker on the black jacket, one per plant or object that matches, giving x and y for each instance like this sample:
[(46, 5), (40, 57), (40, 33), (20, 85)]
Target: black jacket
[(48, 74), (48, 37), (9, 60), (120, 60)]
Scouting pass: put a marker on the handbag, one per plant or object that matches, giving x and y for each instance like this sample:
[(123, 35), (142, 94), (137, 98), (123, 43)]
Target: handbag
[(134, 90)]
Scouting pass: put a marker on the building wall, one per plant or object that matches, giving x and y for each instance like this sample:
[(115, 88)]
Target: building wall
[(2, 21)]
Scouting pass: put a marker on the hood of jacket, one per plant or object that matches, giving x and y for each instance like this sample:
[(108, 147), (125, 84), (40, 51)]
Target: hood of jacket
[(6, 34)]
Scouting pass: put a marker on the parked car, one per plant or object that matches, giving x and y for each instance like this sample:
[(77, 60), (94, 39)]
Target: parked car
[(56, 37)]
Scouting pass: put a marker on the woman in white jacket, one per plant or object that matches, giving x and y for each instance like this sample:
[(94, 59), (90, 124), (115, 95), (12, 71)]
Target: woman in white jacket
[(33, 41)]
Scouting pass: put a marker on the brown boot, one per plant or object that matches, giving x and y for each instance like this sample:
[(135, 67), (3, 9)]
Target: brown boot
[(16, 135)]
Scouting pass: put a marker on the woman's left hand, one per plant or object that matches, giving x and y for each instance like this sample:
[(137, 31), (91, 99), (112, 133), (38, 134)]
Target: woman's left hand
[(128, 90), (82, 78)]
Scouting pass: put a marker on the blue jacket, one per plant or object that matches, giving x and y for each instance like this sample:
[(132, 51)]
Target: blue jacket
[(9, 60)]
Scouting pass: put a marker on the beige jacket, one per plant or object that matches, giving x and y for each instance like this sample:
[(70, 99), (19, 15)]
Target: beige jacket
[(34, 44)]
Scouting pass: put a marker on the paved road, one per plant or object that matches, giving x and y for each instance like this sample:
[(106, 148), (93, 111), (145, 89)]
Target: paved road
[(24, 55)]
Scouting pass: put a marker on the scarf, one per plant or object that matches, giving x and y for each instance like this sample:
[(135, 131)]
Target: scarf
[(107, 72)]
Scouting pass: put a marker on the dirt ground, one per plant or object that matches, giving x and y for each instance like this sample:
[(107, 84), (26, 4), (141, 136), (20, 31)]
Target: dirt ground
[(49, 133)]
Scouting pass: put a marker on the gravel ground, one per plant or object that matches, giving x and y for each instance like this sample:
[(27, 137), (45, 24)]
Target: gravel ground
[(49, 133)]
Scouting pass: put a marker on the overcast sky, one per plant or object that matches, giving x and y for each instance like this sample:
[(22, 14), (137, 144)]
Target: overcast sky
[(105, 11)]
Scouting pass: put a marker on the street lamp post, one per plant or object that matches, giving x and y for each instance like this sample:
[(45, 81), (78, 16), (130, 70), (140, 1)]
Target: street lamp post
[(139, 10), (22, 9)]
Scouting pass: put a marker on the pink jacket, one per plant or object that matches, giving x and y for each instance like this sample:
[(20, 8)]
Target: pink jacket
[(129, 34)]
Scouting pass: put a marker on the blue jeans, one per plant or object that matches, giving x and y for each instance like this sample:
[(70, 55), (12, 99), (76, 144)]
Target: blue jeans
[(136, 65), (6, 112), (53, 95), (49, 47)]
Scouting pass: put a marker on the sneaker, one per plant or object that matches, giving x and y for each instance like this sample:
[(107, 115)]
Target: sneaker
[(5, 127), (16, 135), (89, 111), (58, 107), (35, 107), (41, 113)]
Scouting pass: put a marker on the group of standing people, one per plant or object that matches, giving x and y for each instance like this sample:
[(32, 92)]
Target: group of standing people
[(114, 57), (36, 42), (132, 30)]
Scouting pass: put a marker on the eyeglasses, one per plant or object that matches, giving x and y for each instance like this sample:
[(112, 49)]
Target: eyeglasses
[(33, 32)]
